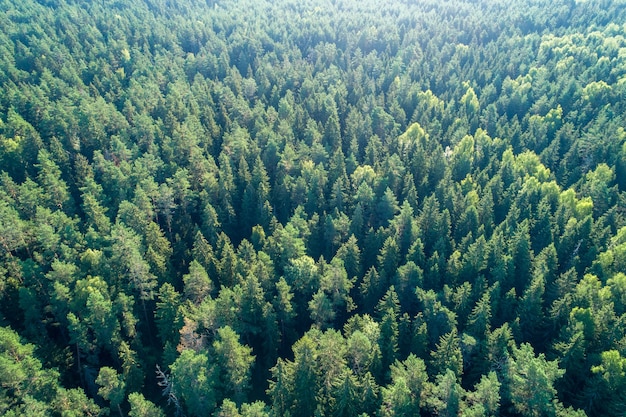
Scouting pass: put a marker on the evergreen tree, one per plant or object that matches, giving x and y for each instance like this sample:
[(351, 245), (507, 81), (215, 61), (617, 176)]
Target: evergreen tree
[(194, 379), (112, 388), (531, 380), (234, 361)]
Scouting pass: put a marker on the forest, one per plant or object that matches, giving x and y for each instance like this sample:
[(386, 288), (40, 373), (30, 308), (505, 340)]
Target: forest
[(346, 208)]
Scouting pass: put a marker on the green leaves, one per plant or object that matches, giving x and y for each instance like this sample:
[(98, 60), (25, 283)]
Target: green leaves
[(224, 187), (195, 379), (531, 382), (28, 388), (404, 395), (112, 387), (235, 362), (140, 407)]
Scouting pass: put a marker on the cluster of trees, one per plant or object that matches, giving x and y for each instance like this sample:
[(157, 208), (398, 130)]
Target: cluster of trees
[(253, 208)]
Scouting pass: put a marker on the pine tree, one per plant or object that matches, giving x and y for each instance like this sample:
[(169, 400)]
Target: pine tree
[(531, 380), (448, 356), (195, 381), (234, 361), (112, 387)]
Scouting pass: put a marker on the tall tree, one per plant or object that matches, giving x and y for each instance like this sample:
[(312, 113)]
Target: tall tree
[(112, 387), (234, 361), (531, 382), (195, 382)]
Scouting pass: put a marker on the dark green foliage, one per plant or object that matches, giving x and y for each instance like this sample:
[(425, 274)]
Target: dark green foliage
[(312, 208)]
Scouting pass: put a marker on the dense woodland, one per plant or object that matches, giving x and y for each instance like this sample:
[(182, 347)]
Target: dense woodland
[(263, 208)]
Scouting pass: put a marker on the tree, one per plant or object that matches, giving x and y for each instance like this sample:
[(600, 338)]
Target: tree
[(332, 364), (370, 289), (360, 353), (12, 235), (350, 255), (27, 387), (286, 244), (281, 388), (439, 319), (332, 132), (403, 397), (388, 259), (446, 398), (479, 321), (530, 311), (226, 261), (531, 382), (92, 319), (234, 362), (284, 308), (167, 315), (408, 277), (448, 356), (599, 186), (96, 213), (404, 225), (302, 275), (485, 399), (140, 407), (74, 403), (612, 372), (387, 208), (521, 254), (388, 341), (228, 409), (130, 263), (56, 190), (198, 285), (337, 285), (305, 377), (463, 158), (346, 395), (321, 309), (112, 387), (194, 378)]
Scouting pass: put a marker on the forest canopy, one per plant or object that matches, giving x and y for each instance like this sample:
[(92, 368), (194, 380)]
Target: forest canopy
[(263, 208)]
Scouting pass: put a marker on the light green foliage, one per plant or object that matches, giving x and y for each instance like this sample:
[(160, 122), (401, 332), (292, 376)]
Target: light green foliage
[(220, 187), (445, 398), (531, 382), (612, 369), (194, 378), (485, 399), (18, 367), (49, 178), (74, 403), (197, 282), (140, 407), (448, 356), (229, 409), (112, 387), (404, 395), (234, 361), (26, 388)]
